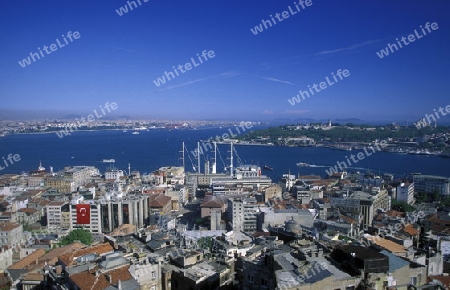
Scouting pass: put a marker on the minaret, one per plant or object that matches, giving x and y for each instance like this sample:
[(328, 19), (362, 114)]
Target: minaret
[(40, 168)]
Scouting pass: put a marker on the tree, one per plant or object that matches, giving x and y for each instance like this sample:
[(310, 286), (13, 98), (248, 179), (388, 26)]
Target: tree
[(402, 206), (436, 196), (446, 201), (81, 235)]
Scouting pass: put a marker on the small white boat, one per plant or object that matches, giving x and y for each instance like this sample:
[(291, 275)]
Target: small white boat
[(302, 164)]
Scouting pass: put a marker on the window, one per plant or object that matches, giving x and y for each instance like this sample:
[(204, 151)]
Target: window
[(153, 275)]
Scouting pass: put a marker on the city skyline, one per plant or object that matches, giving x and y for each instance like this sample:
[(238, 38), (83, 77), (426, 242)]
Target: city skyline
[(86, 54)]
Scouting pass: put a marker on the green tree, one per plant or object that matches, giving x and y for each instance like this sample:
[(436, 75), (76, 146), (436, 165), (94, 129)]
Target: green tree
[(446, 201), (81, 235), (436, 196), (402, 206)]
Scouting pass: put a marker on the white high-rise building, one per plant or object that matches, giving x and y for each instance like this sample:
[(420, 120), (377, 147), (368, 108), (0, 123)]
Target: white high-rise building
[(405, 192)]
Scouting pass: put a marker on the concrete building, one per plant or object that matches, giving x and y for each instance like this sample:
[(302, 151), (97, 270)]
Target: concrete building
[(278, 217), (6, 255), (246, 176), (160, 203), (216, 218), (405, 192), (28, 215), (69, 179), (10, 234), (60, 183), (243, 214), (363, 204), (212, 203), (432, 183), (114, 174), (55, 214), (148, 275), (94, 226), (130, 209)]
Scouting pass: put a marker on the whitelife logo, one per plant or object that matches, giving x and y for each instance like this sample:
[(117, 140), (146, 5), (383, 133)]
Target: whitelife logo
[(124, 9), (284, 14), (412, 37), (35, 56), (323, 85), (90, 118), (207, 146), (11, 158), (360, 156), (423, 123), (188, 66)]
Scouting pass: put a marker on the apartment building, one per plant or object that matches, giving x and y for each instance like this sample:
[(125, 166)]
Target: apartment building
[(431, 184), (10, 234), (243, 214), (405, 192), (94, 226), (55, 211)]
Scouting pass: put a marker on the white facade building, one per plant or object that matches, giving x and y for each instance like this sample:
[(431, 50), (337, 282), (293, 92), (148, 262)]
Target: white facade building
[(405, 192)]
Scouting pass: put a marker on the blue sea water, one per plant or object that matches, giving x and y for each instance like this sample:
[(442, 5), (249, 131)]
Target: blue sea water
[(152, 149)]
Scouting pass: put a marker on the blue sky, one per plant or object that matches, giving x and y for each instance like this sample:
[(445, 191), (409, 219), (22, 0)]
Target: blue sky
[(251, 76)]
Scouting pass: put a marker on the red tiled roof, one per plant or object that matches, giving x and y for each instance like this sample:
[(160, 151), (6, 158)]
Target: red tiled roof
[(159, 200), (394, 213), (29, 260), (52, 257), (99, 249), (87, 280), (212, 201), (409, 228), (443, 279), (28, 210), (8, 226), (348, 219)]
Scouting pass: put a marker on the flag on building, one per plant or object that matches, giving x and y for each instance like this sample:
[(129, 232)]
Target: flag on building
[(83, 213)]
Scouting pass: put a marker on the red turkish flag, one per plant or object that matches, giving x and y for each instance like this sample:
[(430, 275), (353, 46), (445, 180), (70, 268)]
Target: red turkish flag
[(83, 214)]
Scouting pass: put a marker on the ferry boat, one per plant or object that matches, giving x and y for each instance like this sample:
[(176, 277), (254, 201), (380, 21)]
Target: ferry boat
[(109, 160)]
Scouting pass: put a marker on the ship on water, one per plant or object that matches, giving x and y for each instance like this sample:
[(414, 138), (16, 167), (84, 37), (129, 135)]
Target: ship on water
[(267, 167), (302, 164)]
